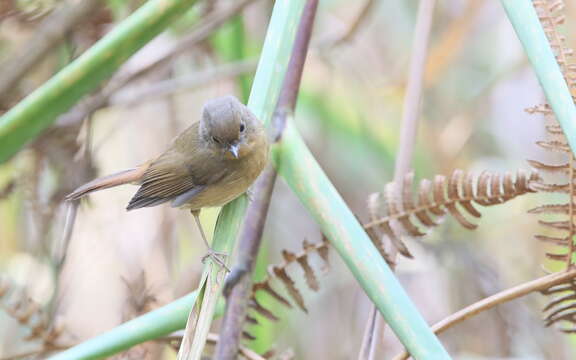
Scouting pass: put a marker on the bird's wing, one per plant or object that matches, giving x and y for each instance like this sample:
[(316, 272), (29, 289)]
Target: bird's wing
[(170, 179)]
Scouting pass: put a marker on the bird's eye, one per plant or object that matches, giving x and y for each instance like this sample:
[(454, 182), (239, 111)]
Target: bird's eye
[(242, 127), (215, 139)]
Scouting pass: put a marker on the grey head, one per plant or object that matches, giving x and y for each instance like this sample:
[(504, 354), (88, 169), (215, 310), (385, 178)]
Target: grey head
[(227, 126)]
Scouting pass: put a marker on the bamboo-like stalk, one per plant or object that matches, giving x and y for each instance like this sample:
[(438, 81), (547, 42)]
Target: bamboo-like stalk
[(200, 317), (37, 111), (155, 324), (525, 21), (251, 236)]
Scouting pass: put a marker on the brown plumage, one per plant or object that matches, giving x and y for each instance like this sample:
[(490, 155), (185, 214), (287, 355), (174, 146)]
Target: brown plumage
[(209, 164)]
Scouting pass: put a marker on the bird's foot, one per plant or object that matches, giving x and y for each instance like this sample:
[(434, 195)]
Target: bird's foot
[(217, 257)]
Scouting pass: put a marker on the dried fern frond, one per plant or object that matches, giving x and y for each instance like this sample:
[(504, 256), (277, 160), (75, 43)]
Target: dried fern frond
[(280, 273), (551, 15), (401, 213), (18, 305), (562, 306)]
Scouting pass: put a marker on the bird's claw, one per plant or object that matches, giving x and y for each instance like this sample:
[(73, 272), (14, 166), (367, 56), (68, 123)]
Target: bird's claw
[(217, 257)]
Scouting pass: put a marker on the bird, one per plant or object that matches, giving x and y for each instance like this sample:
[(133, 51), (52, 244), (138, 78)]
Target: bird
[(209, 164)]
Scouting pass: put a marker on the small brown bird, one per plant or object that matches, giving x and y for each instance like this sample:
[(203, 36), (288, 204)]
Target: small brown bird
[(210, 164)]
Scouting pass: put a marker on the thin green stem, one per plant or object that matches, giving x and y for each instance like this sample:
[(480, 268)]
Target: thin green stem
[(37, 111), (164, 321), (525, 21)]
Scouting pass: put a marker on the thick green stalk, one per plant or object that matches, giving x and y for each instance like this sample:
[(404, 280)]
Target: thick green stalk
[(263, 96), (200, 317), (232, 45), (37, 111), (524, 19), (296, 164), (152, 325)]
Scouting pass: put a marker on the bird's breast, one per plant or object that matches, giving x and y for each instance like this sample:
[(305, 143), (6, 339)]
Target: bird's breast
[(239, 175)]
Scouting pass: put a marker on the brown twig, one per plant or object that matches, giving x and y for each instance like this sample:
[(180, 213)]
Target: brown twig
[(408, 130), (52, 30), (239, 286), (502, 297)]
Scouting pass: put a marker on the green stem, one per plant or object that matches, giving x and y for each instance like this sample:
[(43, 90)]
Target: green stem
[(37, 111), (524, 19), (152, 325), (263, 96)]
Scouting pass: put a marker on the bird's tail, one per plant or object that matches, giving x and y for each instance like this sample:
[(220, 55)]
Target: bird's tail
[(119, 178)]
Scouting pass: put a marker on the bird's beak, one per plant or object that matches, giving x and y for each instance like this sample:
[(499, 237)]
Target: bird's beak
[(234, 150)]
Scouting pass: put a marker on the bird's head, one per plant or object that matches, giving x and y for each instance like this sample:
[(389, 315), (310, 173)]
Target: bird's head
[(229, 127)]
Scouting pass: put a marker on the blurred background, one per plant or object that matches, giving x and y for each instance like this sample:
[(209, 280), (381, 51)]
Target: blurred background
[(121, 264)]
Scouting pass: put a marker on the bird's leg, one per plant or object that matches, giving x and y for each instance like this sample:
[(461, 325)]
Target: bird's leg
[(214, 255)]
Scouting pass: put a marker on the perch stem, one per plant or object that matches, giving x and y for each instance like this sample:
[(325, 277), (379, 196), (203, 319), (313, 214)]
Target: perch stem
[(239, 284)]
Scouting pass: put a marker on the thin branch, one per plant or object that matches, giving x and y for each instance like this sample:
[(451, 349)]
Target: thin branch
[(188, 82), (52, 31), (412, 99), (239, 287), (368, 342), (201, 32), (502, 297), (408, 131)]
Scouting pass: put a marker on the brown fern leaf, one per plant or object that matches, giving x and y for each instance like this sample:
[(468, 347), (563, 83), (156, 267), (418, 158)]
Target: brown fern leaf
[(560, 168), (280, 273), (550, 15), (398, 213), (28, 313), (562, 307), (290, 285)]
